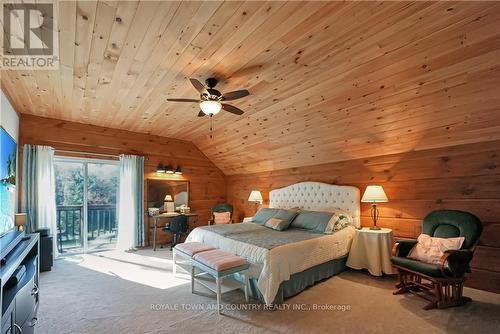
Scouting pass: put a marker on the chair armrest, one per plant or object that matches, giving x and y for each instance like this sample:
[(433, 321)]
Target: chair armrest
[(402, 247), (247, 219), (456, 262)]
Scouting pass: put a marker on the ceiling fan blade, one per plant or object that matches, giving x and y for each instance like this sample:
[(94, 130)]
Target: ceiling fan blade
[(199, 86), (235, 95), (201, 114), (232, 109), (183, 100)]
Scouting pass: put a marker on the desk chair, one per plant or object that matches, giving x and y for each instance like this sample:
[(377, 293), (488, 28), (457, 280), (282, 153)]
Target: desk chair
[(178, 227)]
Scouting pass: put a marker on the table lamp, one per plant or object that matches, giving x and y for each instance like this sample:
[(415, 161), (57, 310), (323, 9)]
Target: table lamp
[(20, 221), (255, 196), (168, 204), (374, 194)]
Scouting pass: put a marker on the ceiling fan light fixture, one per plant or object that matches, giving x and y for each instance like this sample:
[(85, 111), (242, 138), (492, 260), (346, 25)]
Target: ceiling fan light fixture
[(210, 107)]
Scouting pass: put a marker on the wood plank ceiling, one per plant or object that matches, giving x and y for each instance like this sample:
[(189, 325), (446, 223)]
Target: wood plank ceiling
[(330, 81)]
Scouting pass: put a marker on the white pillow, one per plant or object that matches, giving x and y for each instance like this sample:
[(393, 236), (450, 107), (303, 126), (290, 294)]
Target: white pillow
[(430, 250), (339, 220)]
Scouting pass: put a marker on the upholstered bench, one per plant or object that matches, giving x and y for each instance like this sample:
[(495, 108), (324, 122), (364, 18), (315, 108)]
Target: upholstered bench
[(187, 250), (219, 264)]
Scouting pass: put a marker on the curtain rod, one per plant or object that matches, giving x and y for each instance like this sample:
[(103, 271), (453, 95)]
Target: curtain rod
[(93, 153), (89, 153)]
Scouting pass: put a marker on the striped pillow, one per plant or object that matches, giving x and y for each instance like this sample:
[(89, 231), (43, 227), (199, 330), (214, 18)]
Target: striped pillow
[(339, 220), (277, 224)]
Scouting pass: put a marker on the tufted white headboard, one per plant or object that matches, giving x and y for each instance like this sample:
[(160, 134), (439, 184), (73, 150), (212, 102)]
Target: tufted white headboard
[(317, 196)]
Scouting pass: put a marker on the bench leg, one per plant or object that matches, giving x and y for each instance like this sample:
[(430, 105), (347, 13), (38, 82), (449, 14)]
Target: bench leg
[(247, 283), (192, 279), (217, 282), (174, 268)]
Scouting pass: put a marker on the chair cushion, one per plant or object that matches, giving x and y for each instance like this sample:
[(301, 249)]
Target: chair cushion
[(192, 248), (222, 217), (428, 269), (430, 250), (451, 224), (219, 260)]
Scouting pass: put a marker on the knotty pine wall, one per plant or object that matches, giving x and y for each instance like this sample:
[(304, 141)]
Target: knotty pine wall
[(461, 177), (206, 181)]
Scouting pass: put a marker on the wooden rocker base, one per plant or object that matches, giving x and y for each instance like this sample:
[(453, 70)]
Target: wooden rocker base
[(440, 292)]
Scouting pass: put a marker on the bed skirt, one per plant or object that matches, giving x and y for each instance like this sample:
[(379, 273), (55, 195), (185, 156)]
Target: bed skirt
[(300, 281)]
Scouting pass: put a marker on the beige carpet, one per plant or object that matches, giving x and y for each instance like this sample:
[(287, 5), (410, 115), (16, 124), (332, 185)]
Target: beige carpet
[(115, 292)]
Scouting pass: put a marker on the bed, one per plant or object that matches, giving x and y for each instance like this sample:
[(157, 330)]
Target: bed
[(283, 263)]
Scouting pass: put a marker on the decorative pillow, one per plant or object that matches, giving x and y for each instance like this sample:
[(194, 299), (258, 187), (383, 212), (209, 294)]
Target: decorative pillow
[(430, 250), (340, 219), (287, 215), (277, 224), (314, 221), (263, 215), (222, 217)]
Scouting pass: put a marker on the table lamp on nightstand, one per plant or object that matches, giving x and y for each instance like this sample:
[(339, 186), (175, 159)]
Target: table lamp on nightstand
[(374, 194), (255, 196)]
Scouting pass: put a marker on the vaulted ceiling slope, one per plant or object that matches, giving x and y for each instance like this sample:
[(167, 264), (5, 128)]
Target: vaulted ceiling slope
[(330, 81)]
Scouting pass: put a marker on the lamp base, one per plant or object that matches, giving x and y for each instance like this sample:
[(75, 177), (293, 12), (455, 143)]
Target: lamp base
[(375, 228)]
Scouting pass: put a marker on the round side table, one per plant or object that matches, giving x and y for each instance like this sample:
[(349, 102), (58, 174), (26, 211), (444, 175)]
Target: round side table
[(371, 249)]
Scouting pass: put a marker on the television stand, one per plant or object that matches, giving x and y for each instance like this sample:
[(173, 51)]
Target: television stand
[(19, 282)]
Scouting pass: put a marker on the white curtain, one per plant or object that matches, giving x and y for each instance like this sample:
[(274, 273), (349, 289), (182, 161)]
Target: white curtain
[(130, 203), (39, 190)]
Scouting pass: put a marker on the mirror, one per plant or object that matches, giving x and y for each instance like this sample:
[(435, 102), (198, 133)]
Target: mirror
[(158, 190)]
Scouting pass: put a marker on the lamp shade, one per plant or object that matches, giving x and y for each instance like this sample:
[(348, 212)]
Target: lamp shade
[(255, 196), (210, 107), (168, 198), (160, 169), (374, 194), (20, 219), (169, 169)]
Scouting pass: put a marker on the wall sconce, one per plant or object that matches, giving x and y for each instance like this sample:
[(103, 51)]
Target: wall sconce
[(160, 168), (169, 169)]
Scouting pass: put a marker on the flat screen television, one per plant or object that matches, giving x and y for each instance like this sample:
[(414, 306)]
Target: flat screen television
[(8, 162)]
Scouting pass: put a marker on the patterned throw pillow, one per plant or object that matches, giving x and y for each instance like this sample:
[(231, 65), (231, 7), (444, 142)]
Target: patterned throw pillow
[(222, 217), (340, 219), (430, 250), (277, 224)]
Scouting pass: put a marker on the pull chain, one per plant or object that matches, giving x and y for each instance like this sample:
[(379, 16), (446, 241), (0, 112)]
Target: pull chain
[(211, 126)]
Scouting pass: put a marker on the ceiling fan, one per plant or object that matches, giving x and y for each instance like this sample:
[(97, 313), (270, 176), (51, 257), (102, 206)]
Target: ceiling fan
[(211, 100)]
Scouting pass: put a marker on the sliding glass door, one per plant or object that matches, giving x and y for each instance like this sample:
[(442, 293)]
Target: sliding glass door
[(86, 199)]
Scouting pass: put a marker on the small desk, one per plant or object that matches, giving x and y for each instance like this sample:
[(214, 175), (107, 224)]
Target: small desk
[(167, 216), (371, 249)]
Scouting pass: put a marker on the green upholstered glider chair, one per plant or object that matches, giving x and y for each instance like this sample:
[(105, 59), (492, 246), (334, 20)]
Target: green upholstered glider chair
[(441, 284), (221, 207)]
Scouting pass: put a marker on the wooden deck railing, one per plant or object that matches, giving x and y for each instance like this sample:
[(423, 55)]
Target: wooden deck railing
[(101, 221)]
